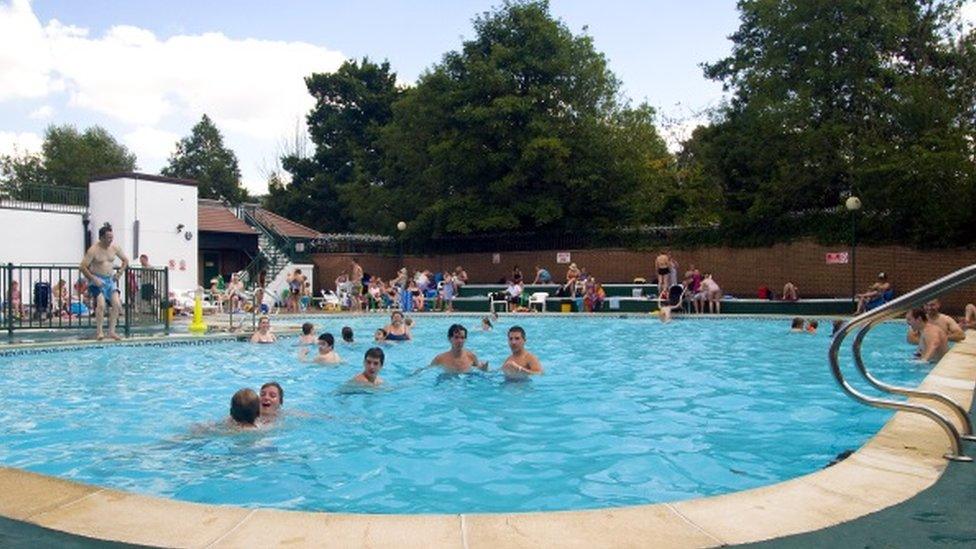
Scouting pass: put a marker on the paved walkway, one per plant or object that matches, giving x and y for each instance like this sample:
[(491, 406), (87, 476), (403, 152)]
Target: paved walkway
[(942, 516)]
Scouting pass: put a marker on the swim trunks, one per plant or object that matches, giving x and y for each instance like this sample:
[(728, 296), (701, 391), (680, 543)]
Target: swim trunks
[(396, 337), (663, 271), (106, 289)]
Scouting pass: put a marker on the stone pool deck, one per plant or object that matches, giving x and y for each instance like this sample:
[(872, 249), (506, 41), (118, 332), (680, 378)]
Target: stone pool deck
[(891, 492)]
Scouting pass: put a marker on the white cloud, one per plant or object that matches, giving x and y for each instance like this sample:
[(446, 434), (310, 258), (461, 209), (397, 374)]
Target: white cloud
[(252, 88), (968, 14), (151, 146), (42, 113), (255, 87), (25, 56), (19, 143)]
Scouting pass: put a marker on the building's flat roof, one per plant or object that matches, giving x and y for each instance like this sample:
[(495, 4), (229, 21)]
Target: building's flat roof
[(143, 177)]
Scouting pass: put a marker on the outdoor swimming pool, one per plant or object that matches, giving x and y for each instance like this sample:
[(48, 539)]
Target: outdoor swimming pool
[(629, 411)]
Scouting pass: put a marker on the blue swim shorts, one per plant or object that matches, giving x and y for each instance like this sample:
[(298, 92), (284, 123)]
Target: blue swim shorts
[(106, 289)]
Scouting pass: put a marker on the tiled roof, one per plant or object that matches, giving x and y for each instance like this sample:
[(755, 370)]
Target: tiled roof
[(285, 226), (215, 217)]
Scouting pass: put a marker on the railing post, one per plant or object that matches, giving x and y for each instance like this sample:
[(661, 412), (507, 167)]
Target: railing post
[(124, 280), (10, 306), (165, 292)]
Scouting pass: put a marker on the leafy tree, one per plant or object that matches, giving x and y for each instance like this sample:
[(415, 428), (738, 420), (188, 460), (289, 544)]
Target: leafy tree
[(873, 97), (68, 157), (202, 156), (351, 106), (521, 129)]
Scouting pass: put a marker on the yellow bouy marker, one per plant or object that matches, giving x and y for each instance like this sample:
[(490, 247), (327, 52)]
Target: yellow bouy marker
[(198, 326)]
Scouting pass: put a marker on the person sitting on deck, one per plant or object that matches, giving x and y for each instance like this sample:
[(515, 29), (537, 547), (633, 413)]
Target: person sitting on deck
[(594, 296), (790, 292), (542, 276), (877, 294)]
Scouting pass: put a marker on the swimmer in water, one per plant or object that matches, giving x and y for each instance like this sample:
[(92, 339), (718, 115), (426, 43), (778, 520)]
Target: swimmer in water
[(372, 364), (521, 363), (796, 325), (245, 408), (812, 326), (307, 337), (379, 336), (347, 335), (486, 324), (264, 333), (327, 353), (397, 329), (272, 397), (458, 359)]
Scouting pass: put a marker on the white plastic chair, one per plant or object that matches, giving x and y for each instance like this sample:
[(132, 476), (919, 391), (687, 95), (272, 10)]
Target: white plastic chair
[(539, 298), (498, 299)]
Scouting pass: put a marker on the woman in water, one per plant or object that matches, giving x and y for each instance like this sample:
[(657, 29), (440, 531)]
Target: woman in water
[(272, 397), (397, 330), (264, 333)]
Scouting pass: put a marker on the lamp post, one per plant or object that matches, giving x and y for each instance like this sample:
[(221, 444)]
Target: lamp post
[(401, 226), (853, 204)]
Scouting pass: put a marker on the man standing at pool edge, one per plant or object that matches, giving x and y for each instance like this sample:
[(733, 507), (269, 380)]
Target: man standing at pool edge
[(521, 363), (98, 268)]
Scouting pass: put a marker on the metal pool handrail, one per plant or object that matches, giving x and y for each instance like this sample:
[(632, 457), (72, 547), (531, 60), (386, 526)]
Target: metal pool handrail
[(890, 310), (967, 432)]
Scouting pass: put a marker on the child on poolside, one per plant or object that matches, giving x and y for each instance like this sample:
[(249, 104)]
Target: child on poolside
[(307, 338), (245, 407)]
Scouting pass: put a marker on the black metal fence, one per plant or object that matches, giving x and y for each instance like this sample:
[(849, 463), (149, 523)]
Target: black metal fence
[(47, 198), (43, 297)]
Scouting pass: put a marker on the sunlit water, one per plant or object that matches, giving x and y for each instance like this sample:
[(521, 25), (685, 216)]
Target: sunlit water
[(629, 411)]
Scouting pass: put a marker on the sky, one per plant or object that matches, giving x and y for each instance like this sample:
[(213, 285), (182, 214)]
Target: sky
[(148, 70)]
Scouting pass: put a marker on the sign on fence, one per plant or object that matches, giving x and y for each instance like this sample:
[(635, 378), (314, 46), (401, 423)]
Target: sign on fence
[(563, 257), (836, 258), (496, 259)]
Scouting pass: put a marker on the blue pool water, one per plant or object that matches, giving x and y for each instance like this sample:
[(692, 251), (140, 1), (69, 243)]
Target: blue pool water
[(629, 411)]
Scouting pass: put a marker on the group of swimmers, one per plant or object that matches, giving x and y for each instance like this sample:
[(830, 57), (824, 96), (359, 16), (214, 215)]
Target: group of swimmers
[(249, 409), (931, 330)]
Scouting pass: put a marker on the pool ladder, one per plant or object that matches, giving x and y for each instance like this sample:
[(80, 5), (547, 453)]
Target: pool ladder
[(864, 322)]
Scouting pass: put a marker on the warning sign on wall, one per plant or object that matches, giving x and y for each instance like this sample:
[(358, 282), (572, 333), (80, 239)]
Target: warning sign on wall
[(836, 258), (563, 258)]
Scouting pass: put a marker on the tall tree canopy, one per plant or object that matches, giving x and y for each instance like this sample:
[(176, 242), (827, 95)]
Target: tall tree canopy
[(351, 106), (203, 157), (68, 157), (874, 97), (522, 129)]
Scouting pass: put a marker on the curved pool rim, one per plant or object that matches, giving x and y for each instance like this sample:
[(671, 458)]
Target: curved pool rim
[(901, 460)]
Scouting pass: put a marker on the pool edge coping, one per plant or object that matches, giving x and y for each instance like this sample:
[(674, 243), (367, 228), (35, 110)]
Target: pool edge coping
[(898, 462)]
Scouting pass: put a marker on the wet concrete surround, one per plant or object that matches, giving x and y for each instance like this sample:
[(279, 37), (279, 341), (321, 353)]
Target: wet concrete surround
[(904, 458)]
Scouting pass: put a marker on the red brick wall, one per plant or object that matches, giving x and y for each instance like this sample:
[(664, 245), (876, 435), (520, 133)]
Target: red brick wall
[(738, 271)]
